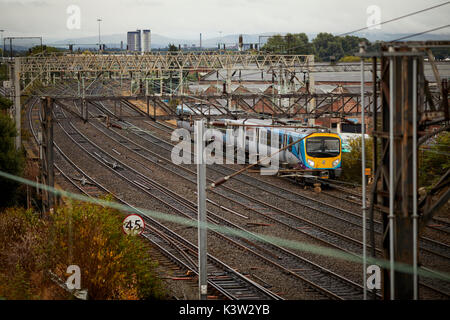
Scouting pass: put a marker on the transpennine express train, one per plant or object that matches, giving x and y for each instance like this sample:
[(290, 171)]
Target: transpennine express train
[(318, 153)]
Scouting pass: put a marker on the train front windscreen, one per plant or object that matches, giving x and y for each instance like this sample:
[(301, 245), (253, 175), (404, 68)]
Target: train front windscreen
[(323, 147)]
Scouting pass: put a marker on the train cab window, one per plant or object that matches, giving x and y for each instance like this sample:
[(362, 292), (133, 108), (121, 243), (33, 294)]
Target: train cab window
[(323, 147)]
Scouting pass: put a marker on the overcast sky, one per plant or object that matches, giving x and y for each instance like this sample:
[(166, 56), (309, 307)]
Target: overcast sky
[(187, 18)]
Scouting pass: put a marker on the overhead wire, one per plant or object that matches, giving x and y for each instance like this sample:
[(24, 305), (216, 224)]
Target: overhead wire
[(394, 19), (420, 33), (287, 243)]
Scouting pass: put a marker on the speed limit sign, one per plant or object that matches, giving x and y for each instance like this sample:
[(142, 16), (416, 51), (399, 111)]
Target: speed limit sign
[(133, 224)]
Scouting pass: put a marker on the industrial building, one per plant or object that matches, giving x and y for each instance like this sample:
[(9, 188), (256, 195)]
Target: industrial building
[(134, 41), (146, 40)]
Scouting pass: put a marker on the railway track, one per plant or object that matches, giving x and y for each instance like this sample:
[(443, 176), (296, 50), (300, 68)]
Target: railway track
[(353, 198), (333, 238), (430, 245), (343, 214), (426, 244), (350, 196), (329, 284), (235, 196), (223, 279), (147, 154), (104, 161)]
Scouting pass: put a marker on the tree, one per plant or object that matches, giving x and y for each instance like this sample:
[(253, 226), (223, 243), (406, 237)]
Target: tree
[(11, 160), (434, 160), (351, 161), (297, 43), (350, 44), (274, 44), (3, 72), (327, 45), (324, 46), (112, 265), (5, 103), (172, 48), (44, 49)]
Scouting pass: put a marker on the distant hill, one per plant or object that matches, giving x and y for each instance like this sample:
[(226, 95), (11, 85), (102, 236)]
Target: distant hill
[(382, 36), (113, 41), (160, 41)]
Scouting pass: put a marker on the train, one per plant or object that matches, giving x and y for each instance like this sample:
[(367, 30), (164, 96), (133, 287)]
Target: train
[(310, 151)]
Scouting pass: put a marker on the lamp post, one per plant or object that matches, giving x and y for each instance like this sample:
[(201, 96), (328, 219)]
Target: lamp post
[(99, 42)]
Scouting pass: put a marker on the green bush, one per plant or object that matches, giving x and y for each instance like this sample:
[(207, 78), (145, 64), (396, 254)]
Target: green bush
[(112, 264), (21, 235), (352, 161), (11, 161), (434, 160), (3, 71), (5, 103)]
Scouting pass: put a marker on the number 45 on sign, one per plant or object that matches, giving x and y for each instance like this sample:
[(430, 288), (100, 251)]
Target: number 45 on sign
[(133, 224)]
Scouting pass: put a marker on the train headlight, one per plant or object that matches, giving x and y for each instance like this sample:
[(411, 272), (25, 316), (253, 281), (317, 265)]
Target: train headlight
[(311, 163), (335, 162)]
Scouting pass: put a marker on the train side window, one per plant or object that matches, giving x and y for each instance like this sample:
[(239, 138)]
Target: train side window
[(269, 137), (290, 140), (250, 133)]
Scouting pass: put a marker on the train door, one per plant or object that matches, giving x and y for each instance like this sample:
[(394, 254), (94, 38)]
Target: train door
[(282, 139), (251, 145), (294, 148), (257, 140)]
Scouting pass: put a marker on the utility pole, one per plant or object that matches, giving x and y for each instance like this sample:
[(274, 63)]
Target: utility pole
[(362, 48), (47, 156), (311, 106), (402, 91), (84, 111), (228, 88), (201, 205)]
